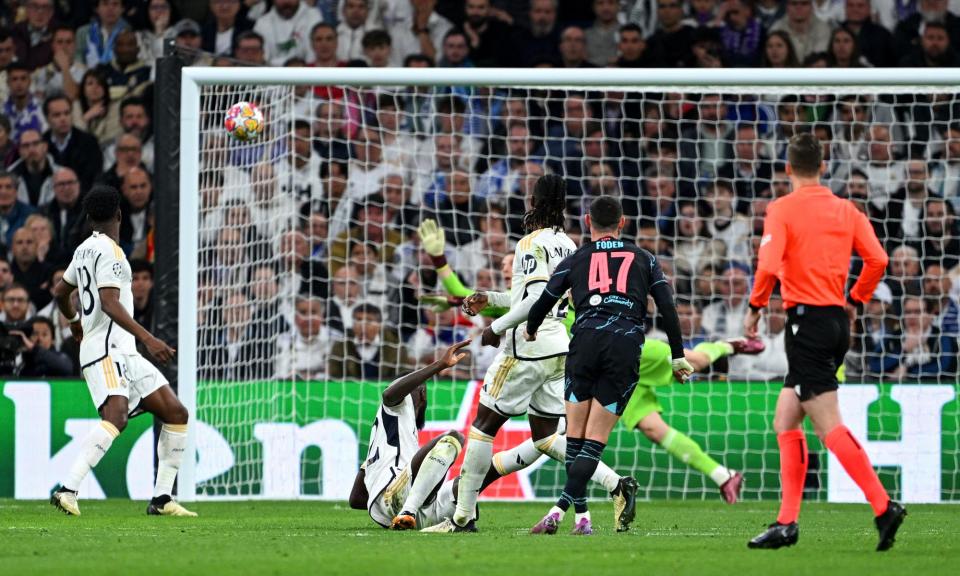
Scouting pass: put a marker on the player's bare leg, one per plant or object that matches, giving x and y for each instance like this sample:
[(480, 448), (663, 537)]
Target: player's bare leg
[(824, 412), (429, 468), (94, 446), (165, 406)]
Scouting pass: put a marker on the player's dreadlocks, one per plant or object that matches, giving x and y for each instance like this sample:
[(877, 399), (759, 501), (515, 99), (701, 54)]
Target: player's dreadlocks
[(549, 201), (101, 203)]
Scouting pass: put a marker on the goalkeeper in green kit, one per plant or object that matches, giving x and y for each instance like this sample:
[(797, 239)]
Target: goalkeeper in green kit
[(643, 411)]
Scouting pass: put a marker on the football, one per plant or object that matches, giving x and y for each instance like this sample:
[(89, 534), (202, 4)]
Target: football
[(244, 121)]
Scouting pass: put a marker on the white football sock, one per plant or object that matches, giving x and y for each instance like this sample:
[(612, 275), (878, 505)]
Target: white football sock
[(516, 458), (476, 462), (432, 471), (579, 515), (94, 447), (170, 449), (720, 475), (558, 511)]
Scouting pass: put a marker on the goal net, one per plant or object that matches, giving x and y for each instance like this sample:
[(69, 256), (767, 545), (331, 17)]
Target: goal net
[(303, 251)]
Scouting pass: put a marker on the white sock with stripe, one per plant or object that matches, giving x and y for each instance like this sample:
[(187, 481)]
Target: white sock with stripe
[(93, 448), (170, 449), (476, 462), (527, 452), (432, 471)]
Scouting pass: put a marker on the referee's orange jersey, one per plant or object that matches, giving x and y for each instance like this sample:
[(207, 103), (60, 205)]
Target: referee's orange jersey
[(808, 237)]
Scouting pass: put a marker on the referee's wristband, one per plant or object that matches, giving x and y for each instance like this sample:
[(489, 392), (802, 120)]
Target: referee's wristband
[(856, 304), (75, 319), (756, 308)]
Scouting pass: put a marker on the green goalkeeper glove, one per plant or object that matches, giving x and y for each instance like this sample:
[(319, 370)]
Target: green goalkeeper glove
[(432, 237)]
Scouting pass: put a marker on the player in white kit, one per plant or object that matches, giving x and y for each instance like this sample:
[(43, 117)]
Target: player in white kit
[(525, 377), (401, 484), (122, 383)]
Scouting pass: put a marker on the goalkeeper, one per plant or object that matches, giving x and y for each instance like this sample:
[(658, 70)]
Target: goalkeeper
[(643, 411)]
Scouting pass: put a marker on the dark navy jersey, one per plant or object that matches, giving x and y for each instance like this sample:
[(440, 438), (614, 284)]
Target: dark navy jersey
[(609, 280)]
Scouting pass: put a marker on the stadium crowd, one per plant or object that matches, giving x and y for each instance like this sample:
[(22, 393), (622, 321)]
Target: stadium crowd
[(334, 292)]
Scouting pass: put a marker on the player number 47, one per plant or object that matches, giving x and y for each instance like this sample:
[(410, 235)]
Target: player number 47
[(600, 271)]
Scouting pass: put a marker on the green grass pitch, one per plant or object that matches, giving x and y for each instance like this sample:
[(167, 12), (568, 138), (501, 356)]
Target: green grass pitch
[(698, 538)]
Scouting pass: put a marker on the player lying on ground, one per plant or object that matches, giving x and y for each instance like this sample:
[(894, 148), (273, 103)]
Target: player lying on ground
[(401, 484), (407, 480), (643, 412), (122, 383), (609, 280)]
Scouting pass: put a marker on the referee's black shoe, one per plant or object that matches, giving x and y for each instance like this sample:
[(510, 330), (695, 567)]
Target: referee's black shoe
[(888, 523), (777, 536)]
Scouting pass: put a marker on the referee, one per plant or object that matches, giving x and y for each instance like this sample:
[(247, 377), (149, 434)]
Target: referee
[(808, 238)]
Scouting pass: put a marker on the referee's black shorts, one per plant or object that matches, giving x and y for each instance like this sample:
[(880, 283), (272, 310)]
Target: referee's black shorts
[(816, 342), (604, 366)]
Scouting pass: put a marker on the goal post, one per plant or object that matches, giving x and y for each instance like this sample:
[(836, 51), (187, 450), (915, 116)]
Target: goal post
[(294, 421)]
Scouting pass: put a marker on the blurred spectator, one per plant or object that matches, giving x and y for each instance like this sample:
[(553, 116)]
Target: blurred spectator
[(564, 142), (6, 274), (329, 132), (400, 213), (936, 48), (137, 210), (377, 48), (724, 223), (904, 271), (28, 270), (369, 225), (779, 51), (690, 326), (456, 50), (70, 146), (351, 30), (538, 43), (741, 34), (414, 28), (808, 32), (693, 246), (659, 202), (95, 111), (502, 177), (301, 180), (135, 120), (945, 171), (910, 29), (844, 51), (832, 12), (142, 289), (47, 251), (346, 291), (399, 146), (8, 148), (750, 171), (884, 172), (65, 212), (32, 36), (771, 364), (431, 186), (230, 350), (13, 213), (921, 351), (299, 273), (456, 211), (16, 304), (334, 204), (632, 48), (40, 358), (601, 37), (701, 146), (707, 49), (573, 48), (222, 27), (724, 318), (324, 47), (369, 351), (249, 48), (129, 155), (490, 38), (940, 242), (62, 74), (286, 30), (670, 46), (366, 166), (487, 251), (96, 40), (21, 107), (150, 36), (7, 56), (126, 74), (903, 216), (304, 353), (365, 257), (35, 169), (186, 35), (876, 42), (939, 303)]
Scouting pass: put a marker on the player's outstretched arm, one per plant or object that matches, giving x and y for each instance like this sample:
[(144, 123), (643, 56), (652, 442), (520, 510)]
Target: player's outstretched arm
[(404, 385), (61, 293), (110, 304)]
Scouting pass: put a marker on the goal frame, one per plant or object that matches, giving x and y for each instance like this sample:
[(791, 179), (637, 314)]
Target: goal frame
[(193, 79)]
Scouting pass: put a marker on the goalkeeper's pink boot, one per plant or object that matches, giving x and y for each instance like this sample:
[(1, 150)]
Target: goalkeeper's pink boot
[(547, 525), (583, 528), (748, 346), (731, 488)]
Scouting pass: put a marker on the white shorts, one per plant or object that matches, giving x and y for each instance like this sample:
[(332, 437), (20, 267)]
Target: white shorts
[(514, 387), (389, 503), (129, 375)]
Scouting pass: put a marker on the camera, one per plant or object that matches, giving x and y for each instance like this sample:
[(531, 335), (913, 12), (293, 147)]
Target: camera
[(11, 344)]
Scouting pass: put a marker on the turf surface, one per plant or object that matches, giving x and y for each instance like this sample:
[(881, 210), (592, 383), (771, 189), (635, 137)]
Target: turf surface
[(114, 537)]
